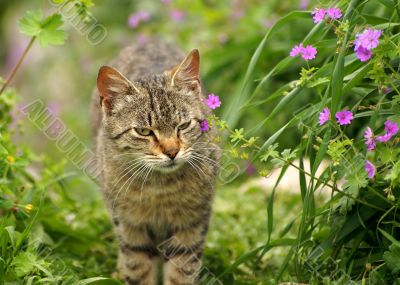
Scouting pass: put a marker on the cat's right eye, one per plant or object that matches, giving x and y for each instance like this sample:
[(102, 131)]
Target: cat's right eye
[(144, 131), (184, 126)]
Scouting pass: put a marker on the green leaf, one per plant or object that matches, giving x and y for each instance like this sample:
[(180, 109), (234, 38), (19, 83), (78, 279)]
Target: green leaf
[(354, 182), (392, 258), (337, 148), (390, 237), (48, 31), (318, 81), (51, 33), (87, 3), (288, 154), (99, 281), (250, 142), (270, 152), (24, 263), (394, 175), (237, 135), (30, 24)]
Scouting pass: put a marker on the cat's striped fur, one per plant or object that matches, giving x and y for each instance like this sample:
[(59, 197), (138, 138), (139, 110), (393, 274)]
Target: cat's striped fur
[(158, 187)]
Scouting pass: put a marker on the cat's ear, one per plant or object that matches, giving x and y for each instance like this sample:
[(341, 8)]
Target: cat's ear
[(112, 83), (186, 74)]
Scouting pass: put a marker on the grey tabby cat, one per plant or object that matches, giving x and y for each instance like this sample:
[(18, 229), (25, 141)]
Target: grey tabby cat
[(158, 167)]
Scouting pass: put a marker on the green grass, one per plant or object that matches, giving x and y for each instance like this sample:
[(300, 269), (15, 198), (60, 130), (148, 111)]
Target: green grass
[(257, 236), (72, 238)]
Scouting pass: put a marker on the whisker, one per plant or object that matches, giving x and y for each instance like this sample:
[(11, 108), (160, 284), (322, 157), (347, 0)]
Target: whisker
[(192, 163), (137, 175), (133, 176), (126, 154), (144, 180), (130, 166), (205, 158)]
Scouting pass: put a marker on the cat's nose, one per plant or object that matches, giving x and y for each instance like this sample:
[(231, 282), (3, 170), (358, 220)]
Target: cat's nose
[(171, 153)]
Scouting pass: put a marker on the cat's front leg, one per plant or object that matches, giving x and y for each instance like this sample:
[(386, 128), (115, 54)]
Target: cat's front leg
[(182, 254), (137, 258)]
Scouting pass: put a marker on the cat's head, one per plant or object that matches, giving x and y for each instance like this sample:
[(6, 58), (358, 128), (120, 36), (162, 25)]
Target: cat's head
[(154, 121)]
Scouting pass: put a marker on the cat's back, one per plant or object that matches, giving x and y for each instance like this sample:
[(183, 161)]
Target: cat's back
[(137, 61), (153, 57)]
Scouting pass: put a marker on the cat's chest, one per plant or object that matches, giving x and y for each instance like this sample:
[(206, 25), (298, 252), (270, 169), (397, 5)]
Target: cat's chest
[(168, 204)]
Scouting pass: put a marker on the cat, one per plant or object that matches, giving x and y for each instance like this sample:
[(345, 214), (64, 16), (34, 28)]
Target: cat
[(158, 167)]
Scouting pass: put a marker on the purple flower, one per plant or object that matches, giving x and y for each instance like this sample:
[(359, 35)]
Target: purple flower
[(213, 101), (318, 14), (54, 109), (135, 19), (267, 23), (324, 116), (334, 13), (370, 169), (204, 126), (309, 52), (387, 90), (142, 39), (383, 138), (177, 15), (368, 39), (250, 169), (369, 139), (362, 53), (391, 129), (296, 50), (344, 117), (237, 14), (303, 4), (166, 2)]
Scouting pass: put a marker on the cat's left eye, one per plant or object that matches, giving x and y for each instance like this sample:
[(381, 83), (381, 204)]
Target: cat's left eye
[(184, 126), (143, 131)]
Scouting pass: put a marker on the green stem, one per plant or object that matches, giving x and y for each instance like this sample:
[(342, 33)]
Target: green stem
[(17, 66), (333, 187)]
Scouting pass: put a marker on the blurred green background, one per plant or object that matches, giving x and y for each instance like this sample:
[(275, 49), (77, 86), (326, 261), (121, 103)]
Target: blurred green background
[(227, 33)]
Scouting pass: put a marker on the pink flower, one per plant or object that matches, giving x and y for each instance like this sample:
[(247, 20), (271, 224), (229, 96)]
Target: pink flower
[(324, 116), (364, 42), (166, 2), (383, 138), (142, 39), (334, 13), (250, 169), (213, 101), (370, 169), (237, 14), (368, 39), (177, 15), (303, 4), (309, 52), (296, 50), (369, 139), (204, 126), (344, 117), (391, 129), (318, 15), (363, 54), (135, 19)]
